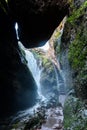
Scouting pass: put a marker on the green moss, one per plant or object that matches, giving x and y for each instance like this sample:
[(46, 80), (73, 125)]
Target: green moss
[(57, 34), (73, 116), (36, 121), (77, 13), (78, 51), (70, 1), (45, 61), (77, 54), (15, 125), (38, 54)]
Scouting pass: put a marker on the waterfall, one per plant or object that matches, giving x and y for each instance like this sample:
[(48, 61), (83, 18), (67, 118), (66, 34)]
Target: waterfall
[(31, 63), (33, 67), (48, 51), (66, 71), (61, 84), (16, 28), (35, 70)]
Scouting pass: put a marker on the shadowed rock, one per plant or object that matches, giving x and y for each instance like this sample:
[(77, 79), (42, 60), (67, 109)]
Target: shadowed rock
[(37, 19)]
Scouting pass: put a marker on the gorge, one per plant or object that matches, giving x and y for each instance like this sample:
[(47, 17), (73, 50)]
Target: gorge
[(43, 65), (49, 92)]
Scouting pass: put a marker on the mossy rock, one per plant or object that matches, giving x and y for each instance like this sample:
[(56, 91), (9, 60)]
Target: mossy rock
[(73, 114), (77, 13)]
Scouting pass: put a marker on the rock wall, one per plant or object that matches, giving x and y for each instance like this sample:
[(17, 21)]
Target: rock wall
[(74, 40), (17, 86), (74, 44), (37, 19)]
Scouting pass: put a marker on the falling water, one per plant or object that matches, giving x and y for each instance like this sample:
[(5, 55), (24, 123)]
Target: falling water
[(60, 73), (60, 84), (16, 28), (32, 64), (35, 70)]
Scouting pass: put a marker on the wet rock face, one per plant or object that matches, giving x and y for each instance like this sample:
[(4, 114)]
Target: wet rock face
[(77, 3), (37, 18), (75, 41)]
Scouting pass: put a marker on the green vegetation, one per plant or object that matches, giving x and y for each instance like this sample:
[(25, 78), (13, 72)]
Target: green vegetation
[(45, 62), (37, 54), (77, 13), (15, 125), (78, 51), (48, 72), (75, 114), (36, 121), (57, 47), (76, 41), (57, 35)]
